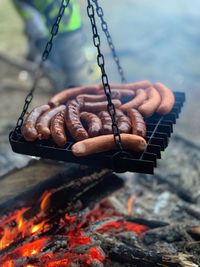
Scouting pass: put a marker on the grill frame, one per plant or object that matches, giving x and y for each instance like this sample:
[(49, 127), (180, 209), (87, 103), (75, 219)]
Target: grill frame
[(159, 129)]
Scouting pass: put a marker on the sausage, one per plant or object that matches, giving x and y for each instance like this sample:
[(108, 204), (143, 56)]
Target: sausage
[(93, 122), (122, 94), (72, 120), (67, 94), (106, 142), (140, 97), (28, 129), (93, 98), (137, 85), (123, 122), (167, 98), (132, 86), (151, 104), (98, 106), (106, 122), (137, 122), (43, 122), (58, 129)]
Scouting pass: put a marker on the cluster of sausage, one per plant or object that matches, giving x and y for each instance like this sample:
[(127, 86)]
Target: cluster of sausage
[(82, 113)]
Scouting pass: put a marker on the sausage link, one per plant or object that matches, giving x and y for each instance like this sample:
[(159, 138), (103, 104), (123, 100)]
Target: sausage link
[(140, 97), (93, 122), (98, 106), (58, 129), (122, 94), (132, 86), (67, 94), (106, 122), (72, 120), (137, 122), (28, 129), (43, 122), (91, 98), (167, 98), (151, 104), (106, 142), (123, 122)]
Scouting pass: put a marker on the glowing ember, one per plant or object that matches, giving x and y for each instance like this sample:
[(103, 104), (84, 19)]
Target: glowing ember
[(34, 242)]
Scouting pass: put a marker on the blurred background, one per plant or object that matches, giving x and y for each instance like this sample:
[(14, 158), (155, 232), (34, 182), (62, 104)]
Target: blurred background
[(155, 40)]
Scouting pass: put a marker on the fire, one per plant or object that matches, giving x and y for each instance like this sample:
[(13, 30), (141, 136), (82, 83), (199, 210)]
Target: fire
[(35, 242)]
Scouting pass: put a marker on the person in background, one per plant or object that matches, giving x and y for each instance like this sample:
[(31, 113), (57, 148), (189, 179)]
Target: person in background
[(67, 61)]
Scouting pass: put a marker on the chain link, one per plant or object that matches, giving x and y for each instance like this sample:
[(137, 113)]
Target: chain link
[(104, 27), (104, 77), (45, 55)]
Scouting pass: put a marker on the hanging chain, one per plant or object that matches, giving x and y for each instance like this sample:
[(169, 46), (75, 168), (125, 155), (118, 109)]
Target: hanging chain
[(104, 27), (45, 55), (104, 77)]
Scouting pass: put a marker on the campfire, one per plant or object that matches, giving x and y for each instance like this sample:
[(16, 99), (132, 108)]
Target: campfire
[(79, 222)]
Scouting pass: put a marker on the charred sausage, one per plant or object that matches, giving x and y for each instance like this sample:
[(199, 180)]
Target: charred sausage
[(167, 98), (106, 142), (28, 129), (123, 122), (140, 97), (43, 123), (137, 122), (72, 120), (93, 122), (106, 122), (58, 129), (151, 104)]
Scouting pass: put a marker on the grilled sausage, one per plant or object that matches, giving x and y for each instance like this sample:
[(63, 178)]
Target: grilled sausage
[(123, 122), (72, 120), (122, 94), (167, 98), (133, 86), (140, 97), (137, 85), (28, 129), (98, 106), (151, 104), (58, 129), (137, 122), (93, 122), (106, 122), (43, 123), (106, 142), (67, 94)]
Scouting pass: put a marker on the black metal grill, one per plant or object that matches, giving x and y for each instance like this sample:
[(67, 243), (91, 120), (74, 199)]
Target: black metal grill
[(159, 129)]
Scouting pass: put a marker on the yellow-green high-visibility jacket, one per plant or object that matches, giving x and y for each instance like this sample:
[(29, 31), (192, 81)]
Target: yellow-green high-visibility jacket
[(48, 9)]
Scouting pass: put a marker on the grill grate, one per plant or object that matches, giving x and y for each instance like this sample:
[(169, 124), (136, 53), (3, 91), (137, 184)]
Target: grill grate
[(159, 129)]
